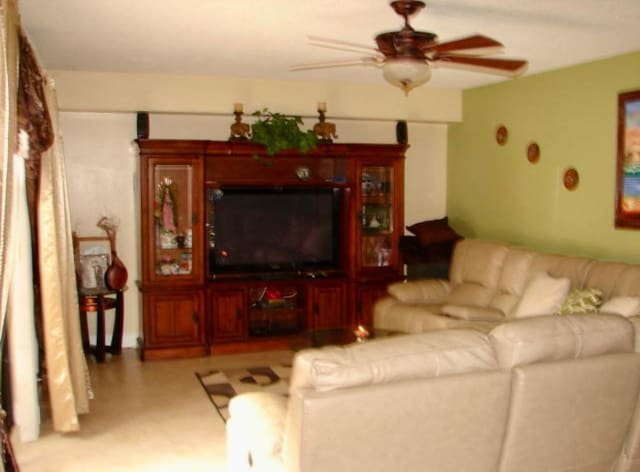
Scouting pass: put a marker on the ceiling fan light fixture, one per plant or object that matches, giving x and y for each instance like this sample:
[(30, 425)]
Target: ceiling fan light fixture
[(406, 73)]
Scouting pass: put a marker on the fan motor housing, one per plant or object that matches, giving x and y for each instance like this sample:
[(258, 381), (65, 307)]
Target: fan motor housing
[(407, 7)]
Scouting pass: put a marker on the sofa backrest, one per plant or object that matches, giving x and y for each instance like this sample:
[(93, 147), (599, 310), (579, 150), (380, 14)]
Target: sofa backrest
[(431, 401), (614, 279), (384, 360), (575, 388), (475, 271), (446, 424), (494, 275), (556, 265)]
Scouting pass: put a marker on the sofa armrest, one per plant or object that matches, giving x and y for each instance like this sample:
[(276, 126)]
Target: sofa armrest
[(429, 291), (255, 432), (635, 320)]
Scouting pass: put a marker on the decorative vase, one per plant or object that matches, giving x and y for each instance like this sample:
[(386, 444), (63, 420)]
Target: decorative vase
[(116, 275)]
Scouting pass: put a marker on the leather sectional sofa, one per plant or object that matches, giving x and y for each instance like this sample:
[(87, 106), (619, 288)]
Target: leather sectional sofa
[(549, 393), (486, 378), (492, 282)]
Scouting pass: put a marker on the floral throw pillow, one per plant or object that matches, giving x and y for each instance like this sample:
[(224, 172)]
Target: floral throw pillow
[(581, 301)]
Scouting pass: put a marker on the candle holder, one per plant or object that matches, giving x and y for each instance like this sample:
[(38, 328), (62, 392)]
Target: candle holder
[(239, 131), (361, 334), (324, 130)]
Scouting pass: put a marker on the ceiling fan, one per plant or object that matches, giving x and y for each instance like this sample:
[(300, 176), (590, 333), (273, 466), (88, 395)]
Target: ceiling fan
[(407, 56)]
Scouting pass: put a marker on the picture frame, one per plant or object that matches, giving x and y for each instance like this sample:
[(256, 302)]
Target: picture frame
[(92, 259), (627, 211), (92, 270)]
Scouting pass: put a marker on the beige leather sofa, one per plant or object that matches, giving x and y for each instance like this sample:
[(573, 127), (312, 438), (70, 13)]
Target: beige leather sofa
[(549, 393), (492, 282)]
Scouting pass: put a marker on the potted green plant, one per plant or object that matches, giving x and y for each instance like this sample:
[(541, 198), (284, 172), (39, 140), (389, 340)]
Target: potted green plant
[(278, 132)]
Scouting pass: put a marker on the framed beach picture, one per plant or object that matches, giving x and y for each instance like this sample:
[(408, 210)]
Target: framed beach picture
[(628, 161)]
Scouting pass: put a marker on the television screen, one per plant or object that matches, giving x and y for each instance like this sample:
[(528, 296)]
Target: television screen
[(274, 229)]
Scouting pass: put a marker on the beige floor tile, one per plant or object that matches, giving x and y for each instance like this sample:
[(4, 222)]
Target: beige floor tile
[(146, 416)]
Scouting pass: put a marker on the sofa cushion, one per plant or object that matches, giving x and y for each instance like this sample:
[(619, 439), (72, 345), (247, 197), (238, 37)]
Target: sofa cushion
[(470, 294), (580, 301), (542, 295), (420, 291), (552, 338), (431, 354), (472, 313), (624, 306)]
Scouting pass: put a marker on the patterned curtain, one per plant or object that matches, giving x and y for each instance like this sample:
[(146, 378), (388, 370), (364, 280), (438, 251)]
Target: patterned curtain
[(37, 294), (54, 277)]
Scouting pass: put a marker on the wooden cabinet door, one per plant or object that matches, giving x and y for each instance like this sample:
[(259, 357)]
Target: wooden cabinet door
[(174, 318), (229, 313), (380, 222), (328, 306), (171, 212)]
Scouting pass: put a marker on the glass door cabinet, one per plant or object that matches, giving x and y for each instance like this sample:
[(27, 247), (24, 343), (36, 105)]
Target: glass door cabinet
[(173, 221), (379, 214), (172, 279)]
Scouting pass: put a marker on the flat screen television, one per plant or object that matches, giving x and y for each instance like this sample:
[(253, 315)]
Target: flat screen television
[(274, 230)]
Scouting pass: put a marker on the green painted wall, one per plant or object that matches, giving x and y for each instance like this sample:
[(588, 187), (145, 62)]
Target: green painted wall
[(494, 192)]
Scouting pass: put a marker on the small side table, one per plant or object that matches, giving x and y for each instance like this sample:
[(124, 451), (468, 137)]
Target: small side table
[(98, 300)]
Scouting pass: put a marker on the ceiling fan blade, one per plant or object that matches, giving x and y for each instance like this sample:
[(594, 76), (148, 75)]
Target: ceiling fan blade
[(506, 67), (343, 48), (363, 61), (476, 41), (327, 42)]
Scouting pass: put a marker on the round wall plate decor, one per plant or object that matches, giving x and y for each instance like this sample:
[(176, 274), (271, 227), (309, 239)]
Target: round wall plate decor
[(571, 178), (533, 152), (501, 135)]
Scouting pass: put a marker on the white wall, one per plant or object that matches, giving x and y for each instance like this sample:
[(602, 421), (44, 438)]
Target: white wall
[(98, 124)]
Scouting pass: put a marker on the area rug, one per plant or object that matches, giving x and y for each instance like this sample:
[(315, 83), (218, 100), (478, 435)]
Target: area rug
[(222, 385)]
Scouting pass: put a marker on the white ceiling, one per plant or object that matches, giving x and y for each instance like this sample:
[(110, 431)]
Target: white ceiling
[(262, 38)]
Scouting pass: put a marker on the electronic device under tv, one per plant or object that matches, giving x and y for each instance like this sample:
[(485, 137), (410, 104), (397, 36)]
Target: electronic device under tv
[(274, 230)]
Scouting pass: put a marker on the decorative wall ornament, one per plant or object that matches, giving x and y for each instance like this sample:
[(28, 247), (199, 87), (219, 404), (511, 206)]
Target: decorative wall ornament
[(502, 134), (571, 178), (533, 152), (628, 161)]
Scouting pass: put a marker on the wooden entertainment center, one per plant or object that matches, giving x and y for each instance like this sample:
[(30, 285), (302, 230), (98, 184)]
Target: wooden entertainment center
[(200, 296)]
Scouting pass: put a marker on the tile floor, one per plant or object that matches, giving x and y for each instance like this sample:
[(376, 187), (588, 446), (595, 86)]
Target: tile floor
[(146, 416)]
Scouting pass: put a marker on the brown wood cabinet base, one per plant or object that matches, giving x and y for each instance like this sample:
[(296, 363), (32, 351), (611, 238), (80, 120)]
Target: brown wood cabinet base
[(159, 354), (279, 343)]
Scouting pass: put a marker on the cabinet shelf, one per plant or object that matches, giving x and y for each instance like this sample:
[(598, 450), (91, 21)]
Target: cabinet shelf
[(379, 199)]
